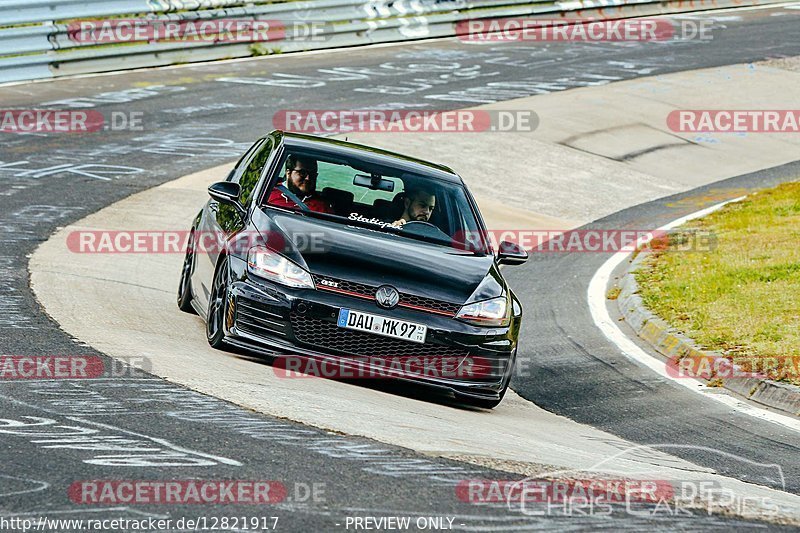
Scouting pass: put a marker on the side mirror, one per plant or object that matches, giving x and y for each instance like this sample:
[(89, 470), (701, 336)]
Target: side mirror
[(511, 254), (226, 192)]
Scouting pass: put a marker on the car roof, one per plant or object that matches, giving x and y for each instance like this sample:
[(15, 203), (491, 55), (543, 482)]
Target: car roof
[(344, 148)]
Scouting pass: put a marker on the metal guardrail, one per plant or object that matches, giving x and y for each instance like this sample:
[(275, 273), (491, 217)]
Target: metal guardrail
[(37, 37), (20, 12)]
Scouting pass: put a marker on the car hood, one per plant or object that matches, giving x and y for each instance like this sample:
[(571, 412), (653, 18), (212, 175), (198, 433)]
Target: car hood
[(372, 257)]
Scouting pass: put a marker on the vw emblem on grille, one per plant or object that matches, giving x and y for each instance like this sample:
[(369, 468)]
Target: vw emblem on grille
[(387, 296)]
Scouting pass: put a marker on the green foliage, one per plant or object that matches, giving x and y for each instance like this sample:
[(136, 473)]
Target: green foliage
[(743, 297)]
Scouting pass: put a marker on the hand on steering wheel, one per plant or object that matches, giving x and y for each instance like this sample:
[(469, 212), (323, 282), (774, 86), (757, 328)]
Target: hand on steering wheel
[(421, 222)]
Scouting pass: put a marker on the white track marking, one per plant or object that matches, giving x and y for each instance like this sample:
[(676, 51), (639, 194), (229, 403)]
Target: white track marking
[(348, 49), (597, 305), (42, 485), (157, 440)]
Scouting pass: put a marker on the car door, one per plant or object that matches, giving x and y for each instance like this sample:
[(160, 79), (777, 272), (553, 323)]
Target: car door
[(220, 221)]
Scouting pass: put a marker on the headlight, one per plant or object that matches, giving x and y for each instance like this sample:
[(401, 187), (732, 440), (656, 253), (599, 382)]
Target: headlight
[(494, 312), (274, 267)]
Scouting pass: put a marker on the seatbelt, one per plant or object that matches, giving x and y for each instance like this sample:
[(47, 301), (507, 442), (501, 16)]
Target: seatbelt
[(293, 197)]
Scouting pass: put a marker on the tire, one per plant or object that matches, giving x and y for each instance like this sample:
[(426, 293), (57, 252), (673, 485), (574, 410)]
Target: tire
[(185, 285), (218, 306)]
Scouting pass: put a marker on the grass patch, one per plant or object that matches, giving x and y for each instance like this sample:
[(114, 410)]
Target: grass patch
[(742, 298)]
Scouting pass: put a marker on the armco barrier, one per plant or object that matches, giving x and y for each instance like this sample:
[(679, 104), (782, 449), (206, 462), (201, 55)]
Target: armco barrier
[(35, 42)]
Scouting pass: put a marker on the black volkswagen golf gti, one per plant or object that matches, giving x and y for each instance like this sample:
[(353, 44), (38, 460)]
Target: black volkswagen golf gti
[(373, 263)]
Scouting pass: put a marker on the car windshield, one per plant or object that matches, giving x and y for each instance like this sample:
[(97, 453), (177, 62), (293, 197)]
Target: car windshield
[(365, 193)]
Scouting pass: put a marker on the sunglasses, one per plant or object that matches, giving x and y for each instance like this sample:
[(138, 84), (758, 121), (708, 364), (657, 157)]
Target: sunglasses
[(305, 173)]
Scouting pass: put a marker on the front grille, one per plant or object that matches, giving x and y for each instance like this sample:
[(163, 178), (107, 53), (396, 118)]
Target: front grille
[(329, 336), (257, 319), (358, 289), (429, 304), (364, 291)]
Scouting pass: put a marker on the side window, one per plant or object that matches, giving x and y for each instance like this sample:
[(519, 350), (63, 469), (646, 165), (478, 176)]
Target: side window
[(236, 173), (250, 174), (246, 174)]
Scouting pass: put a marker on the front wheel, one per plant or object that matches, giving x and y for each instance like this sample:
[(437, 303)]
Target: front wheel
[(217, 307), (185, 285)]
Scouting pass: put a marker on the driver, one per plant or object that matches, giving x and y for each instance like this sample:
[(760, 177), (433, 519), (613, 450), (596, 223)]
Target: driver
[(419, 205), (300, 182)]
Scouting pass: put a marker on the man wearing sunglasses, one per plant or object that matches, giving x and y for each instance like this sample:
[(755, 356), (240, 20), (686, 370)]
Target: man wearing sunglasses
[(299, 189)]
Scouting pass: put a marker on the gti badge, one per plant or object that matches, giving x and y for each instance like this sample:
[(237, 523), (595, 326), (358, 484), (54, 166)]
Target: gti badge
[(387, 296)]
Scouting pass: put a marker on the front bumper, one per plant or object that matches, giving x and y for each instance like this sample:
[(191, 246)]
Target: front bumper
[(284, 322)]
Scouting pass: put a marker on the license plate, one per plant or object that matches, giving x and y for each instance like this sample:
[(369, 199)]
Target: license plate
[(382, 325)]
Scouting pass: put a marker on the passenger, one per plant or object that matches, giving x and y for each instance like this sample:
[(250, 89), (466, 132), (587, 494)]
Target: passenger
[(419, 204), (300, 183)]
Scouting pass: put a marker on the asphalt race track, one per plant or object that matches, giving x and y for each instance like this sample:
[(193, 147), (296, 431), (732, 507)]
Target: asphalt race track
[(196, 117), (579, 374)]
